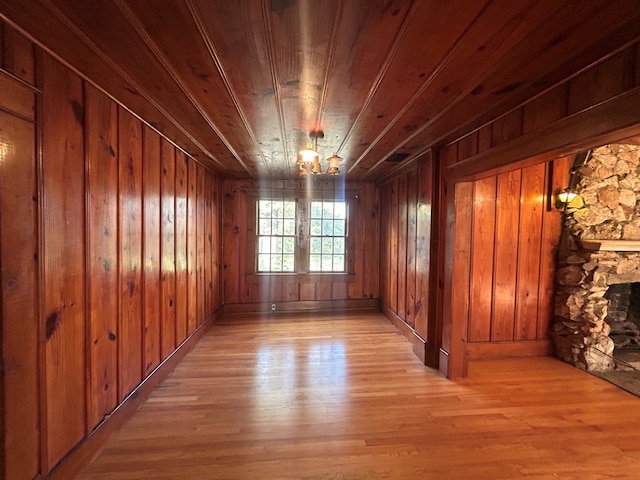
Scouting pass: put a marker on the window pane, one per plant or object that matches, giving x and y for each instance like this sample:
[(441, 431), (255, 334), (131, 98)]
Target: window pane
[(277, 228), (289, 227), (289, 209), (264, 209), (327, 263), (276, 263), (263, 263), (338, 263), (264, 245), (277, 209), (316, 227), (338, 228), (327, 227), (338, 245), (276, 245), (314, 263), (288, 245), (340, 210), (265, 226), (327, 245), (327, 210), (316, 209), (316, 245), (287, 263)]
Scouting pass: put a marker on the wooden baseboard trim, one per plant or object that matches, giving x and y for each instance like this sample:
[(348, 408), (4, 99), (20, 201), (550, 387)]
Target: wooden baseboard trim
[(443, 362), (84, 452), (302, 306), (418, 344), (526, 348)]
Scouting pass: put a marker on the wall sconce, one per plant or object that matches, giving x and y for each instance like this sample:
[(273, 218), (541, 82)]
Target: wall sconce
[(567, 199)]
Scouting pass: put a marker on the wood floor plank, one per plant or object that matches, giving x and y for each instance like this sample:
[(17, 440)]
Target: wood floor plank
[(319, 397)]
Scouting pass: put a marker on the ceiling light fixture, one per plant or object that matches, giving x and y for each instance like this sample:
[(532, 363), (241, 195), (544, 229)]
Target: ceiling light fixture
[(309, 160)]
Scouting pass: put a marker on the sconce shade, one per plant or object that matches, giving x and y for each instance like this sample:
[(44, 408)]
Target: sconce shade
[(308, 154)]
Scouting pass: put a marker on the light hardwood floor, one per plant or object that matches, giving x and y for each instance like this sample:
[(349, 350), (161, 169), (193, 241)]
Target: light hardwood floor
[(342, 397)]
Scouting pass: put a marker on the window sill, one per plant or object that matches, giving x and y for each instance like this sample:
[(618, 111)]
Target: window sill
[(309, 277)]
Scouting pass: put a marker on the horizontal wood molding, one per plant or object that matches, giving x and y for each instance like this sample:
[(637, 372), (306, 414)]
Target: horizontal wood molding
[(533, 348), (418, 344), (79, 457), (612, 245), (303, 306), (607, 121)]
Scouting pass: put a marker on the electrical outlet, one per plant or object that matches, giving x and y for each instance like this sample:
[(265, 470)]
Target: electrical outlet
[(273, 307)]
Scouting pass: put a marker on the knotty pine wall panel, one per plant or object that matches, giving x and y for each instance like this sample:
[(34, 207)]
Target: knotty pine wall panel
[(19, 393), (130, 234), (182, 161), (405, 235), (20, 425), (102, 252), (151, 249), (167, 247), (63, 228), (80, 245), (505, 257), (208, 239), (201, 235), (192, 225), (514, 236), (241, 284)]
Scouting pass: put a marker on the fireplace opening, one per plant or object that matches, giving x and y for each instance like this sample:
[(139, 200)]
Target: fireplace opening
[(623, 316)]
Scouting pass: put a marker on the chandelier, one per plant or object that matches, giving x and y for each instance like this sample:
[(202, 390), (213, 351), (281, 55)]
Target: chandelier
[(309, 161)]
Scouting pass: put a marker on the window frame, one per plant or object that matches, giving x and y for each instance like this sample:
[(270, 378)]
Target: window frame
[(303, 238)]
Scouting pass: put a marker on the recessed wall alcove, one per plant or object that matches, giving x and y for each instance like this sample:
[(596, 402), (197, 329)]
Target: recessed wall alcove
[(599, 260)]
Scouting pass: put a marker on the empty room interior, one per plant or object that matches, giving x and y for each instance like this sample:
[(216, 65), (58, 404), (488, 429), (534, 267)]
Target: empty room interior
[(330, 239)]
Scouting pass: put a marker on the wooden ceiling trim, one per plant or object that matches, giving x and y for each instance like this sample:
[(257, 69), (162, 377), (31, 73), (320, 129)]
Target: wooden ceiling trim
[(299, 31), (479, 53), (277, 90), (51, 24), (608, 42), (421, 53), (363, 40), (446, 59), (605, 122), (114, 66), (375, 85), (238, 33), (135, 22), (329, 62), (206, 37)]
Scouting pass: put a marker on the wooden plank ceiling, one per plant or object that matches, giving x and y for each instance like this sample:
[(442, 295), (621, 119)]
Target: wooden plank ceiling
[(240, 84)]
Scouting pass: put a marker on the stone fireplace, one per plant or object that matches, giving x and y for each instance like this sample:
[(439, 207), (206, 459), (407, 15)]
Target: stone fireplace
[(599, 261)]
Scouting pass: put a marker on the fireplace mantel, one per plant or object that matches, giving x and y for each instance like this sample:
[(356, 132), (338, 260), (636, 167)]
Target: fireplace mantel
[(612, 245)]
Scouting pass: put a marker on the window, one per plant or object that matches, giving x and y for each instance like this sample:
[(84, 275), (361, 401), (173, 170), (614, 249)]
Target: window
[(287, 243), (327, 236), (276, 235)]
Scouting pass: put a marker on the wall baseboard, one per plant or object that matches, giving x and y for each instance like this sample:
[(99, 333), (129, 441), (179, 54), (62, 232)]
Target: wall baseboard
[(418, 344), (84, 452), (302, 306), (524, 348)]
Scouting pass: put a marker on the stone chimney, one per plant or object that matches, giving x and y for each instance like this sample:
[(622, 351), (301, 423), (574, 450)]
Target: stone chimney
[(600, 246)]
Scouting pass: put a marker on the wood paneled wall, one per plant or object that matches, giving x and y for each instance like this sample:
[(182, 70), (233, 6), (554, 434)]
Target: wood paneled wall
[(500, 170), (513, 234), (597, 106), (242, 286), (110, 246), (405, 250)]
